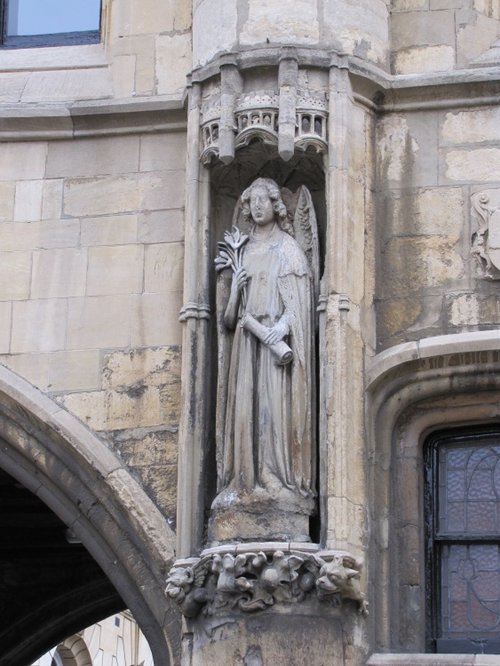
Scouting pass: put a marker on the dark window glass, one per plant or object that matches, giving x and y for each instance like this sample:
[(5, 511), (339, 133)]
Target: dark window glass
[(463, 530), (50, 22)]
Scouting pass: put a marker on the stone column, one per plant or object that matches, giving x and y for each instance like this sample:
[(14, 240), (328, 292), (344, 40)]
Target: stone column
[(342, 485), (195, 314)]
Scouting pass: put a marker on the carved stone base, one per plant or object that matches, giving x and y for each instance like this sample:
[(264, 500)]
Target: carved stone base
[(268, 639), (254, 577), (258, 516)]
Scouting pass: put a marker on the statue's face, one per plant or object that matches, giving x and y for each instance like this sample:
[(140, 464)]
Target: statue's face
[(261, 206)]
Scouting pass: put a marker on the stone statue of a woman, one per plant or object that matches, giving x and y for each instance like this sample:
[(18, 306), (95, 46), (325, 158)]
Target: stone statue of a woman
[(265, 397)]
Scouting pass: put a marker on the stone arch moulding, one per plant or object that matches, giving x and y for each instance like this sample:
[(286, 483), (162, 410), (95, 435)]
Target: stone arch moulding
[(85, 484), (414, 389), (74, 652)]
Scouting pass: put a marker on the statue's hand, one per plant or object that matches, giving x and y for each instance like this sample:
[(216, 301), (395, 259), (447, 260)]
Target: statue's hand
[(240, 279), (276, 333)]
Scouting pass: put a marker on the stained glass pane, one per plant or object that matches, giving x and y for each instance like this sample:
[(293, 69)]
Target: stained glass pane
[(465, 489), (46, 17), (469, 490), (470, 590)]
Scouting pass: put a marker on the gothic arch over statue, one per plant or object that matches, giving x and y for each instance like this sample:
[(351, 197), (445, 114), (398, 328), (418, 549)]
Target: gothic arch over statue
[(266, 292)]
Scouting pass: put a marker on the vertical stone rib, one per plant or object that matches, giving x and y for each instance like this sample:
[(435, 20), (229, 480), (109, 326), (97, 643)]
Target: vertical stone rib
[(231, 85), (336, 266), (342, 384), (288, 75)]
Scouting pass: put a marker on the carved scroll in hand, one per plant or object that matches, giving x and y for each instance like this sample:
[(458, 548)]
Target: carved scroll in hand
[(280, 349)]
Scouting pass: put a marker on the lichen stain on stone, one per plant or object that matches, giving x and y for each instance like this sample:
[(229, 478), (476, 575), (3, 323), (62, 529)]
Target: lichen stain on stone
[(396, 150), (136, 391)]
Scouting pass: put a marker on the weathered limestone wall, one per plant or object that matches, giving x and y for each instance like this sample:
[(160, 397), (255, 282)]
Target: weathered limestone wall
[(439, 35), (149, 46), (91, 262), (437, 161), (91, 229), (429, 165), (359, 28), (140, 41)]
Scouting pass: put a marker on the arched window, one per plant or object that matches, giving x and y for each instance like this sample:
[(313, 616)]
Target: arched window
[(462, 503)]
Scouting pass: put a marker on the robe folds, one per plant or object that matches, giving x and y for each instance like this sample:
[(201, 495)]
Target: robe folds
[(265, 416)]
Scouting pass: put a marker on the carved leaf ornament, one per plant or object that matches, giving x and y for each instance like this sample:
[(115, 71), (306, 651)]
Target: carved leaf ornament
[(253, 581)]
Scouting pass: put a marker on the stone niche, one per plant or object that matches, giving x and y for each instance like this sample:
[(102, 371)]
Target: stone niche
[(260, 518), (267, 125)]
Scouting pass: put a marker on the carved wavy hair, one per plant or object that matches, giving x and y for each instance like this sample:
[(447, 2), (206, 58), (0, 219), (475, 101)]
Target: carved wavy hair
[(280, 211)]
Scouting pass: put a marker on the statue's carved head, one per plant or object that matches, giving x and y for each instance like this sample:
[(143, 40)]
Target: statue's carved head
[(274, 194)]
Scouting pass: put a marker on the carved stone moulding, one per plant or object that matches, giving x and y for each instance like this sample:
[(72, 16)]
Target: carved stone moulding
[(257, 576), (486, 237), (195, 311), (256, 116)]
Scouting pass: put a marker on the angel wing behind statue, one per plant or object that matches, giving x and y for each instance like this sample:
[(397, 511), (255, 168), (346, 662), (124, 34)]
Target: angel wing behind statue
[(267, 288)]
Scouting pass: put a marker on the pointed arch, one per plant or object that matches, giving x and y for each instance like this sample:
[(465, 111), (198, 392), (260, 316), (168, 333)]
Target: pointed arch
[(88, 487)]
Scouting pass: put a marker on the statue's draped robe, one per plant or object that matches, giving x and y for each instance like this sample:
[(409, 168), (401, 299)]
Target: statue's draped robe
[(265, 410)]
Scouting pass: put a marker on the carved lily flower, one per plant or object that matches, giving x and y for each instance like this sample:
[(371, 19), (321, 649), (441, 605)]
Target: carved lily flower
[(231, 250), (235, 239)]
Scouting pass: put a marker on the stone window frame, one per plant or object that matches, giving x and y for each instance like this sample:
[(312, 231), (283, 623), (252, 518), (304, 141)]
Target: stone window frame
[(413, 390), (77, 37)]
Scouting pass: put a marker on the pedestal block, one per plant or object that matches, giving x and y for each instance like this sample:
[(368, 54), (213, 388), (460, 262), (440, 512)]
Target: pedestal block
[(267, 639)]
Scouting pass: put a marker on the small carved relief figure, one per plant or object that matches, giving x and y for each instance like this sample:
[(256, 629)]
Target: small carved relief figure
[(185, 587), (486, 238), (265, 410), (336, 579), (231, 570)]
